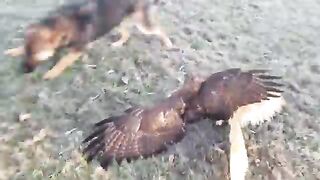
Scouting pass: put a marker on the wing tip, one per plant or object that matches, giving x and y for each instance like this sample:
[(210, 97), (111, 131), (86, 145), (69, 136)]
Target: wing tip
[(95, 133), (96, 141), (92, 149), (99, 128), (105, 121), (103, 144), (269, 82), (258, 71), (268, 77)]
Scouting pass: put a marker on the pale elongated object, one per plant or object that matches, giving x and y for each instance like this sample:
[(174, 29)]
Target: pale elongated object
[(250, 114)]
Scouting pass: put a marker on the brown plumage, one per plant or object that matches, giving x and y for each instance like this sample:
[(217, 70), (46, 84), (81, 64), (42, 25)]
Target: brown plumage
[(141, 131), (224, 92), (232, 95), (239, 98)]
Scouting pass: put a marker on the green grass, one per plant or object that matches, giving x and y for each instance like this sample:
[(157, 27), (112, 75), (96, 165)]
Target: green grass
[(142, 73)]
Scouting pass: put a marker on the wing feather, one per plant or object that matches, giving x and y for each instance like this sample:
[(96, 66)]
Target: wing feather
[(106, 121), (241, 98), (251, 87), (224, 92), (117, 139)]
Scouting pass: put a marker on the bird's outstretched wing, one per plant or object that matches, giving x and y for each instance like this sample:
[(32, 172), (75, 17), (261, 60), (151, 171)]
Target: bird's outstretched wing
[(139, 132), (241, 98), (142, 131), (224, 92)]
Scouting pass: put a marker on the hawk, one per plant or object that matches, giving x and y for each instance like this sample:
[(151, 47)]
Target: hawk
[(141, 131), (236, 96), (240, 98)]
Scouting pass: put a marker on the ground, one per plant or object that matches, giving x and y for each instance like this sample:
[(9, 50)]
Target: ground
[(212, 35)]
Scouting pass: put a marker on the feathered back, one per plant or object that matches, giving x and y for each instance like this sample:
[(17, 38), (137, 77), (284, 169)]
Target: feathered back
[(224, 92)]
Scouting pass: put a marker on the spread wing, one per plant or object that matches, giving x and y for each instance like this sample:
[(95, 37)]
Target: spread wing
[(243, 88), (241, 98), (224, 92), (139, 132)]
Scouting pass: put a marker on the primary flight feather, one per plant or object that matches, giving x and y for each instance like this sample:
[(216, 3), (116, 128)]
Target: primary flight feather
[(235, 96), (141, 131), (238, 97)]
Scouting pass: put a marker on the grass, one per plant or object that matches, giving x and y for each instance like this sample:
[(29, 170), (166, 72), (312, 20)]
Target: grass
[(212, 35)]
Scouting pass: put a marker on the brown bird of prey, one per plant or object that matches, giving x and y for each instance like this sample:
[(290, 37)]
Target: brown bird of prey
[(239, 98), (141, 131)]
